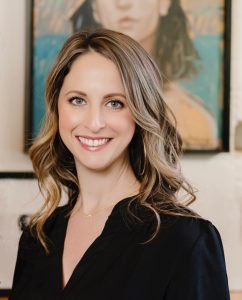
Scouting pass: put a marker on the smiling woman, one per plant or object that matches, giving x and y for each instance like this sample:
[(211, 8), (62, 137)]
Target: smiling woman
[(110, 142), (93, 113)]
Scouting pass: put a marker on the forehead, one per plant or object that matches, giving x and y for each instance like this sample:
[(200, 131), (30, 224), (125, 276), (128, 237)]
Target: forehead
[(93, 71)]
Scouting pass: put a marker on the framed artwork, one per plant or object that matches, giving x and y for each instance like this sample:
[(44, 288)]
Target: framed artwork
[(189, 40)]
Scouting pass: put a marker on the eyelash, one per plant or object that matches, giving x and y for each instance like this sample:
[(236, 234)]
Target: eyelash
[(121, 104), (71, 100)]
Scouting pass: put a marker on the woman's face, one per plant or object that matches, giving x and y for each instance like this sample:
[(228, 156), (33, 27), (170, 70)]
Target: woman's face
[(95, 122), (136, 18)]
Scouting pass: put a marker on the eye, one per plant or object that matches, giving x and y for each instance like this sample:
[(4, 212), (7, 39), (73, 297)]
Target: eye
[(115, 104), (77, 101)]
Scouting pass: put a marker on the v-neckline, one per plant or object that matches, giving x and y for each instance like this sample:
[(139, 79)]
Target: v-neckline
[(115, 218)]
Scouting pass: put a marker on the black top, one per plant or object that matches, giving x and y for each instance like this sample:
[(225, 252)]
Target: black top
[(184, 262)]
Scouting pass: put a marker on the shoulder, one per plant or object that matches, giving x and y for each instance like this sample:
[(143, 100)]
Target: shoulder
[(55, 222), (186, 226), (57, 217), (174, 229), (198, 262), (184, 229), (186, 236), (187, 241), (187, 229)]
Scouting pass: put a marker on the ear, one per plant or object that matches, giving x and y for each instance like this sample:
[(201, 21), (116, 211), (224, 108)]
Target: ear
[(94, 12), (164, 7)]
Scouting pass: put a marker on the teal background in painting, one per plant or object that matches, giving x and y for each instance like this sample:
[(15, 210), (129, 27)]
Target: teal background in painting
[(45, 51), (207, 85)]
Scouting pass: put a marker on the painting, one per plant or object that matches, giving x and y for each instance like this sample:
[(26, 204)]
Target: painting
[(189, 40)]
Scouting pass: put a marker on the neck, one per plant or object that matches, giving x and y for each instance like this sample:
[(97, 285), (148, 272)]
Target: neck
[(104, 188)]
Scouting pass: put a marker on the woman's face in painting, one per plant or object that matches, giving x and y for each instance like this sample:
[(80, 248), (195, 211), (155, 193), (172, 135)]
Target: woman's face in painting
[(95, 122), (136, 18)]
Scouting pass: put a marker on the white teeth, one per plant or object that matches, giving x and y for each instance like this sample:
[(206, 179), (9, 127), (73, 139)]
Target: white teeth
[(93, 143)]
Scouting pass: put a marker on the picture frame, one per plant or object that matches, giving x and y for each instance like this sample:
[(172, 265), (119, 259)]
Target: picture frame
[(199, 93)]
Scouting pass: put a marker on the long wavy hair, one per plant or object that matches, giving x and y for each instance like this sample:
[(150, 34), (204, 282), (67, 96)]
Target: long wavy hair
[(154, 151)]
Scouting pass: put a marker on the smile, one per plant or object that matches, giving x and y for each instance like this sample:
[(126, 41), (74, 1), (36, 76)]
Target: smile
[(93, 142)]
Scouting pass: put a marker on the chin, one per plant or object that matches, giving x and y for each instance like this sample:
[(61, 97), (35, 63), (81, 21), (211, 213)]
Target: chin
[(97, 167), (96, 164)]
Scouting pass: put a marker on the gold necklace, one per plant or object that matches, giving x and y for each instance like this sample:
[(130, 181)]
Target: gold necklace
[(89, 215), (95, 212)]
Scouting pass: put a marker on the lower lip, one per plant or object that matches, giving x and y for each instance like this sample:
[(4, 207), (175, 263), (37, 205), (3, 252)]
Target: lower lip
[(94, 148)]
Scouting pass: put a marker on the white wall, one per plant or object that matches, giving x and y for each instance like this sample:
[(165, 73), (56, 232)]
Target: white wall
[(217, 177), (12, 75)]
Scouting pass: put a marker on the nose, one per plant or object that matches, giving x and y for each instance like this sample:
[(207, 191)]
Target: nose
[(124, 4), (94, 120)]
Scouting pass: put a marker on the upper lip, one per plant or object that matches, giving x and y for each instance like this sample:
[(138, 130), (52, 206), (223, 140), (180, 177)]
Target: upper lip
[(93, 138)]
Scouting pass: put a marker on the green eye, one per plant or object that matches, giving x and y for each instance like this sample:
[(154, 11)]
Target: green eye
[(115, 104)]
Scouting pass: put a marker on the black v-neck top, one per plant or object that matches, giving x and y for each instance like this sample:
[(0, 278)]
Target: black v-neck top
[(184, 262)]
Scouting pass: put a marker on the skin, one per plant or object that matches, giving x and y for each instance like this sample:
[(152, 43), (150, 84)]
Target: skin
[(136, 18)]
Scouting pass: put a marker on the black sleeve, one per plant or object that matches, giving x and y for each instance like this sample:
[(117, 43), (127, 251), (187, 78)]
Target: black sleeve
[(201, 275), (23, 270), (18, 267)]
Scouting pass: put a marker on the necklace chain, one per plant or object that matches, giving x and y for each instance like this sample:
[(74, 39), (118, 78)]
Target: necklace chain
[(90, 215)]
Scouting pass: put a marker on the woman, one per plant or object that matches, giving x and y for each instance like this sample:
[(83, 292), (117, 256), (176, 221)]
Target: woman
[(108, 141), (150, 22)]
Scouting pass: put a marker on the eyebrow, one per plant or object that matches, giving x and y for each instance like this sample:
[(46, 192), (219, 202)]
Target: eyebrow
[(85, 95)]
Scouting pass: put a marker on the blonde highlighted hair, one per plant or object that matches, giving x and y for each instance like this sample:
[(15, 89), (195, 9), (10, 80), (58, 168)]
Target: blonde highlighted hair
[(154, 151)]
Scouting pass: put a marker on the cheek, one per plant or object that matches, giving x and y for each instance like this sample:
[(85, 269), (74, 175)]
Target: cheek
[(124, 125), (130, 128), (67, 120), (64, 121)]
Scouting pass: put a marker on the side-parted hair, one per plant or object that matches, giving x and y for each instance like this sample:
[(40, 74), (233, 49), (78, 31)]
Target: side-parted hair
[(154, 151)]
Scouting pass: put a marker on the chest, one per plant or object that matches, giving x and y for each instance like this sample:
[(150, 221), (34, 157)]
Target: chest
[(81, 232), (114, 266)]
